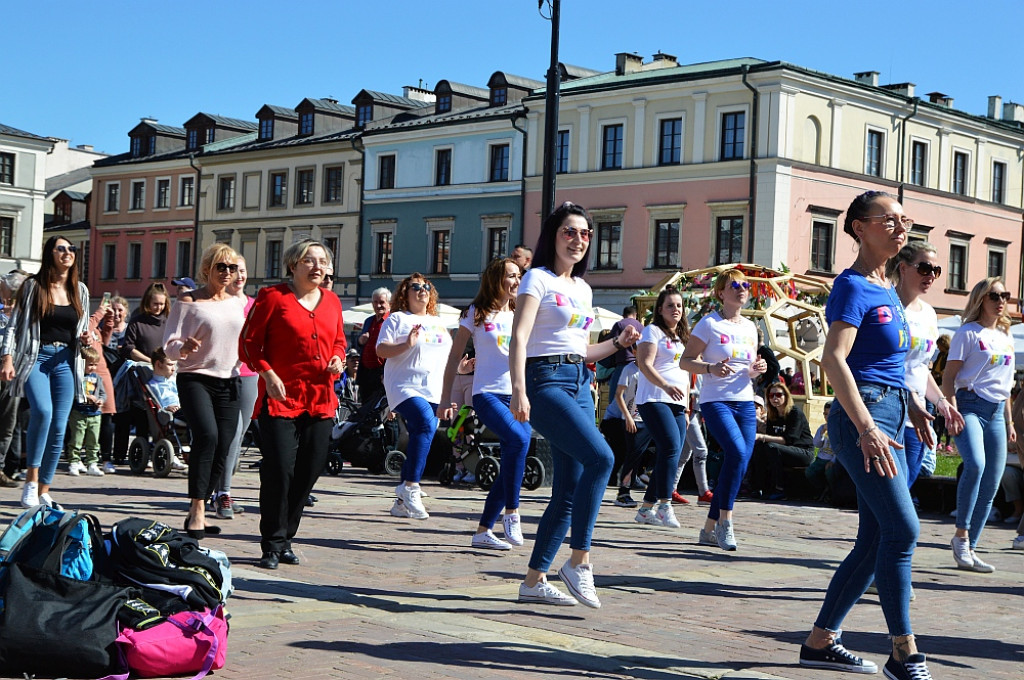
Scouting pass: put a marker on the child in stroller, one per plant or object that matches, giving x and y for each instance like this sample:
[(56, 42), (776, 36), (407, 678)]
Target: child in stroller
[(364, 436)]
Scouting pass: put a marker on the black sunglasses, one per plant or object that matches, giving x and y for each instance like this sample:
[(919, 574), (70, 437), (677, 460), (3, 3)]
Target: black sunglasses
[(996, 297), (926, 269), (420, 286), (66, 249), (224, 267)]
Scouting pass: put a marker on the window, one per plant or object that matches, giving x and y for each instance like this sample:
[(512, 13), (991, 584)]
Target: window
[(998, 181), (113, 196), (996, 263), (731, 146), (109, 261), (957, 266), (666, 244), (305, 180), (497, 242), (136, 147), (226, 194), (273, 259), (729, 240), (6, 236), (444, 103), (442, 251), (151, 145), (364, 114), (382, 263), (960, 162), (442, 167), (821, 246), (306, 123), (386, 172), (163, 193), (670, 141), (267, 128), (278, 189), (83, 262), (138, 195), (611, 149), (562, 152), (918, 163), (160, 259), (183, 265), (211, 135), (7, 168), (873, 154), (609, 245), (331, 244), (192, 141), (499, 96), (334, 178), (499, 163), (186, 193), (134, 261)]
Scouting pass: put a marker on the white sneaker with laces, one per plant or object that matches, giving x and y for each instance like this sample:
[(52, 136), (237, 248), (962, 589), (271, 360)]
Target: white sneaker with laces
[(109, 468), (647, 516), (413, 500), (544, 593), (981, 567), (30, 495), (580, 582), (724, 535), (1018, 543), (666, 515), (398, 509), (178, 463), (45, 499), (962, 553), (707, 538), (513, 529), (75, 469), (489, 541), (94, 470)]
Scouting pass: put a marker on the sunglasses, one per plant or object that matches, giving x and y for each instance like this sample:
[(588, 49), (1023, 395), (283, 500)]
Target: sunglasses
[(417, 287), (572, 232), (66, 249), (996, 297), (745, 285), (224, 267), (780, 395), (925, 269)]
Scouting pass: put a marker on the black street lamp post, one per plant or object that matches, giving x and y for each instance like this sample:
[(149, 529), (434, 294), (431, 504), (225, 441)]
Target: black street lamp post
[(550, 114)]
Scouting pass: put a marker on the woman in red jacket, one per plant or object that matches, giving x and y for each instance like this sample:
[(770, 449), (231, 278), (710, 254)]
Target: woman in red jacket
[(295, 339)]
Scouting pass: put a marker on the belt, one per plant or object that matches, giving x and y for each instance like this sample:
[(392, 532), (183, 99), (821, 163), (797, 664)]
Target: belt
[(555, 359), (56, 343)]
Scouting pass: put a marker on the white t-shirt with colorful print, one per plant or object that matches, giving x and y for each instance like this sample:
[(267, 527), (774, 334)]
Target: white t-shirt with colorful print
[(490, 340), (666, 363), (736, 342), (418, 371), (564, 317), (988, 359), (924, 331)]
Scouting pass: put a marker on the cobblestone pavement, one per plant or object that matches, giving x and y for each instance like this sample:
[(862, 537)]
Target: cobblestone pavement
[(380, 597)]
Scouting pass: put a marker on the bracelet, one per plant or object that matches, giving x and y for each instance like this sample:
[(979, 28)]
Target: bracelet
[(707, 368), (616, 343), (865, 433)]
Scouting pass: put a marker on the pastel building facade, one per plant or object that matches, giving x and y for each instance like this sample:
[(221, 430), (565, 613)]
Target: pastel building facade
[(22, 198)]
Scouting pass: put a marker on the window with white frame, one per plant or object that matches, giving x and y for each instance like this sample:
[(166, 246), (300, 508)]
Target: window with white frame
[(874, 149), (334, 181), (499, 163), (919, 163), (608, 245), (996, 260), (278, 195), (732, 135), (670, 141), (497, 242), (494, 230), (442, 167), (822, 238), (226, 193), (6, 236), (383, 247), (275, 248), (183, 262), (612, 146), (665, 249), (957, 265), (729, 239), (7, 168), (562, 152), (109, 261), (305, 180), (442, 247), (186, 191), (163, 194), (998, 181), (386, 172), (113, 197), (159, 259), (961, 168), (138, 195)]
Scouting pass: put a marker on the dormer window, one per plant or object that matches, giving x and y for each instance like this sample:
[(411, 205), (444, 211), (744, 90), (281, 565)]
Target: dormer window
[(136, 147), (444, 103), (211, 134), (151, 145), (364, 114), (267, 128), (192, 142), (306, 123), (499, 96)]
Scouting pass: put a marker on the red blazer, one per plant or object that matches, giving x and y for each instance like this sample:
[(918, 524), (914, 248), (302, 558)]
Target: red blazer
[(282, 335)]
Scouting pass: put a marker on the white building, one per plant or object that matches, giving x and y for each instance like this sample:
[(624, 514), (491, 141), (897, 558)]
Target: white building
[(23, 158)]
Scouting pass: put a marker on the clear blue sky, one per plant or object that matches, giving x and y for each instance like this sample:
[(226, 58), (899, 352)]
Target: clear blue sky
[(87, 71)]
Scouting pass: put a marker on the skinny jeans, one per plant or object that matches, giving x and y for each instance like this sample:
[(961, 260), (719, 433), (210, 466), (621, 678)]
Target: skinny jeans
[(667, 424), (494, 412), (210, 407), (421, 422), (982, 445), (50, 390), (733, 424)]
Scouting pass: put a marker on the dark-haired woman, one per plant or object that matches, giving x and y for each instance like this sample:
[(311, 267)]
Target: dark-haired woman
[(662, 395), (488, 321), (41, 359), (864, 360), (786, 442), (415, 344), (551, 389)]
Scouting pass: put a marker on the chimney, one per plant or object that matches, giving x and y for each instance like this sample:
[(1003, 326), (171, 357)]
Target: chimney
[(331, 100), (905, 89), (1013, 112), (662, 60), (148, 119), (995, 107), (940, 99), (867, 78), (627, 63), (418, 93), (85, 147)]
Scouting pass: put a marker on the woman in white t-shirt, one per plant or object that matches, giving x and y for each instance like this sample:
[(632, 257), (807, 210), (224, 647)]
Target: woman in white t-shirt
[(661, 396), (415, 343), (488, 321), (913, 271), (551, 389), (977, 381), (723, 346)]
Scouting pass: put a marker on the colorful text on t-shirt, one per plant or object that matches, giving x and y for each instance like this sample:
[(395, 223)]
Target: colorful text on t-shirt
[(1000, 356), (432, 335), (502, 332), (744, 347), (583, 319)]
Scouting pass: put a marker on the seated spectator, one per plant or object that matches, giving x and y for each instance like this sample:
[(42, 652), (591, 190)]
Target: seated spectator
[(796, 385), (785, 443), (819, 472)]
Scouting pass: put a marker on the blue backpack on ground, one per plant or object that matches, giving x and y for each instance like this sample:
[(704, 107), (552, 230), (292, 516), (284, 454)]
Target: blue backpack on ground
[(41, 530)]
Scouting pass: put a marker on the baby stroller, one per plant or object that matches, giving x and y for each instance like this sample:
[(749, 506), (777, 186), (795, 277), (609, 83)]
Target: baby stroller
[(363, 437), (162, 444), (483, 458)]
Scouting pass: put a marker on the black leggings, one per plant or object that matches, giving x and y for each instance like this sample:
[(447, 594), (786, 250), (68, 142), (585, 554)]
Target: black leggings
[(210, 407)]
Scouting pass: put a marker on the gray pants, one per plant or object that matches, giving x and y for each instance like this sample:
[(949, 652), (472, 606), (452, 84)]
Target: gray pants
[(247, 393), (8, 425), (694, 445)]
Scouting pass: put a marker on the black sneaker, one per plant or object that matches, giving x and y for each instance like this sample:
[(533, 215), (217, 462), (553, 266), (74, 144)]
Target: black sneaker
[(913, 668), (835, 657), (624, 500)]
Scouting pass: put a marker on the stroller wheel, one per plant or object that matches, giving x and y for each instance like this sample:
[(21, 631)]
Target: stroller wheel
[(393, 463), (334, 464), (138, 456), (163, 454), (487, 471), (447, 474), (533, 474)]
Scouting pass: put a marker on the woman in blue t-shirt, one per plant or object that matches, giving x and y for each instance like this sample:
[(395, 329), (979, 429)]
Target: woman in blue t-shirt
[(863, 358)]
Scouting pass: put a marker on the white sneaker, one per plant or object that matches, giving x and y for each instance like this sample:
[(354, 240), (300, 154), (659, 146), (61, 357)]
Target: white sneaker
[(94, 470), (647, 516), (580, 582), (398, 509), (962, 553), (707, 538), (1018, 543), (109, 468), (178, 463), (45, 499), (513, 529), (666, 515), (413, 500), (30, 495), (724, 535), (544, 593), (981, 567), (75, 469), (489, 541)]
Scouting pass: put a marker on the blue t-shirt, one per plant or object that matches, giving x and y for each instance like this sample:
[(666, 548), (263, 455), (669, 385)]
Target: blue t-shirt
[(883, 336)]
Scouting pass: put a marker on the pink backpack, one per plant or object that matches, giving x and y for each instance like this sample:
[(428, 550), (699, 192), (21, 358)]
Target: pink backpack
[(187, 642)]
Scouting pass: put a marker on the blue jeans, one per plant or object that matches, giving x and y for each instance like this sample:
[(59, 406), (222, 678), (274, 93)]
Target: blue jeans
[(50, 389), (982, 445), (421, 422), (562, 410), (733, 424), (913, 449), (667, 424), (888, 528), (514, 436)]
